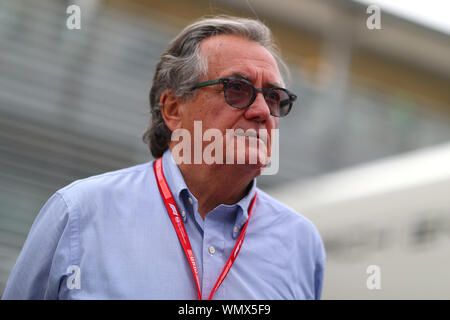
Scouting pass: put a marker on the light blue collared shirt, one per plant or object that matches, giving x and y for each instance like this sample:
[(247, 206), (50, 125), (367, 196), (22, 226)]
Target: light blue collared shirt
[(110, 237)]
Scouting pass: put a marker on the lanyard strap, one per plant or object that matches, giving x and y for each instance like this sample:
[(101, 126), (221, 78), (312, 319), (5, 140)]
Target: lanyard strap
[(174, 215)]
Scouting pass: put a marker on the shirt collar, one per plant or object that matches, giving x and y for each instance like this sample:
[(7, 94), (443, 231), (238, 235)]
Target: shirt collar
[(177, 184), (173, 175), (244, 205)]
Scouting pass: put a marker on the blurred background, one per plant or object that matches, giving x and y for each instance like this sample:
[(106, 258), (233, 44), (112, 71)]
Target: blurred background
[(365, 154)]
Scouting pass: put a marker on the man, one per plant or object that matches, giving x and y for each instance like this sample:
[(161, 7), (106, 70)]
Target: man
[(181, 227)]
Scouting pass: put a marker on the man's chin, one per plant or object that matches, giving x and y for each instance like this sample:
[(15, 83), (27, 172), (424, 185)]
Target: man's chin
[(253, 160)]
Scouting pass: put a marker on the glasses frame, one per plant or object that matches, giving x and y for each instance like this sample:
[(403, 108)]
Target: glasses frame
[(265, 92)]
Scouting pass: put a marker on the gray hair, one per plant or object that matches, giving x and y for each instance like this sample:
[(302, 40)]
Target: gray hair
[(182, 66)]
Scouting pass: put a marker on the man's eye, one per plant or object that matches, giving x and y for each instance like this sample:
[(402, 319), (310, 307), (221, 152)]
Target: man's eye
[(273, 95), (236, 86)]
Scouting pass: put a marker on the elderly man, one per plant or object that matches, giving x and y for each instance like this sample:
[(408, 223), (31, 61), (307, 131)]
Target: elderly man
[(180, 227)]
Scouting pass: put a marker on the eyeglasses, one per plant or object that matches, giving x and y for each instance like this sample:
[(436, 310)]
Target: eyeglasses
[(240, 94)]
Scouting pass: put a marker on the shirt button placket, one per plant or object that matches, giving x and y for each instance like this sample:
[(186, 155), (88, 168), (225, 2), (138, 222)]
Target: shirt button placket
[(212, 254)]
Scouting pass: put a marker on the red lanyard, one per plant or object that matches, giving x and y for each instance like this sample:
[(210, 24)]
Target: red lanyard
[(174, 215)]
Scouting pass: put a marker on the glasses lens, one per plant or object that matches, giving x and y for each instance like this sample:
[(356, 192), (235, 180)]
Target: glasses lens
[(278, 101), (238, 93)]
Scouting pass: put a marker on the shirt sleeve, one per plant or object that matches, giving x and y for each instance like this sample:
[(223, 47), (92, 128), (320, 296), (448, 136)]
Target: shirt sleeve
[(319, 269), (38, 269)]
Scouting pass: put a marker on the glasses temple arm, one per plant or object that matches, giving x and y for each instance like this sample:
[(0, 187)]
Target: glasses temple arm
[(206, 83)]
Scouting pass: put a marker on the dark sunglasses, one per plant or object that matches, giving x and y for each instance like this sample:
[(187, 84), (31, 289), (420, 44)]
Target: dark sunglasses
[(240, 93)]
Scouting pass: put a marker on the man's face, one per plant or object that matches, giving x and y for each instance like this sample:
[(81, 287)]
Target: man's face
[(236, 57)]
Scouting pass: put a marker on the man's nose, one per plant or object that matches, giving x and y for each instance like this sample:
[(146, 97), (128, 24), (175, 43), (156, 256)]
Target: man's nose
[(259, 109)]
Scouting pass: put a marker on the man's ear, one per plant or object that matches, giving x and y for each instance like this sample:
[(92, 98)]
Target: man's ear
[(170, 109)]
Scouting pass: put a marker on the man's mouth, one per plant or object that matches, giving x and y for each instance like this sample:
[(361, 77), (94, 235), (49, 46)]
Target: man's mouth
[(246, 134), (251, 133)]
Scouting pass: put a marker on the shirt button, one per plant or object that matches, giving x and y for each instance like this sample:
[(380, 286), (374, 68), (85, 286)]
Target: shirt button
[(183, 213), (235, 229), (212, 250), (191, 201)]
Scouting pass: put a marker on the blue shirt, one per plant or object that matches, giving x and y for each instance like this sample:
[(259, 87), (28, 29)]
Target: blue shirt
[(110, 237)]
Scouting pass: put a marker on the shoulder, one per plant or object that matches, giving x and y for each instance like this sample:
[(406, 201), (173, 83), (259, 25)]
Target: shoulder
[(279, 210), (108, 185), (281, 215), (121, 177), (281, 222), (295, 240)]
